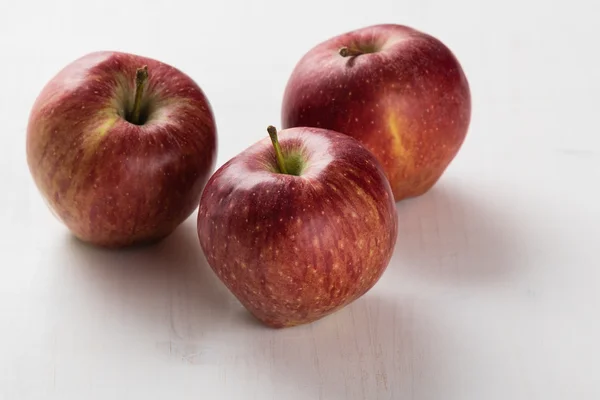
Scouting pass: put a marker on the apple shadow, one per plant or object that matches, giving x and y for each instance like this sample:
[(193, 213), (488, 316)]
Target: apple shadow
[(454, 234), (165, 287), (374, 348)]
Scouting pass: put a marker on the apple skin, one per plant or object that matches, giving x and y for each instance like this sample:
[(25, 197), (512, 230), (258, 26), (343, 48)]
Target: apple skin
[(111, 182), (409, 102), (294, 249)]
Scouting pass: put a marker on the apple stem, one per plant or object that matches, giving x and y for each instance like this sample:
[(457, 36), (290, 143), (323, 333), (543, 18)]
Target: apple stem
[(280, 161), (141, 77), (348, 52)]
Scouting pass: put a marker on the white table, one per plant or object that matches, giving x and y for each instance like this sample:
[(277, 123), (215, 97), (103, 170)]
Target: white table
[(494, 287)]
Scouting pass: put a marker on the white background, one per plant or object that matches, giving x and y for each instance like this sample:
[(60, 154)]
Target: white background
[(494, 288)]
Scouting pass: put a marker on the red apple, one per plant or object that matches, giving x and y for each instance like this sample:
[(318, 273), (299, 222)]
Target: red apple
[(121, 146), (400, 92), (301, 231)]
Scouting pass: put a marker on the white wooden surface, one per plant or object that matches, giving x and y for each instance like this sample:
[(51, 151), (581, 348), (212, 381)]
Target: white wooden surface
[(493, 290)]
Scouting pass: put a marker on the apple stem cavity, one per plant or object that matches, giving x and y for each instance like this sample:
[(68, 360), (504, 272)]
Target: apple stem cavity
[(278, 153), (348, 52), (141, 77)]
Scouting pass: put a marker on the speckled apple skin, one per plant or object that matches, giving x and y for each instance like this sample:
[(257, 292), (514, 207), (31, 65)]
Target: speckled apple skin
[(409, 103), (111, 182), (294, 249)]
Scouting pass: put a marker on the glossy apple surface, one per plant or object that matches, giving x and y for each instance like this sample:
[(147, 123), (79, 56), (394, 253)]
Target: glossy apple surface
[(296, 247), (399, 91), (113, 182)]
